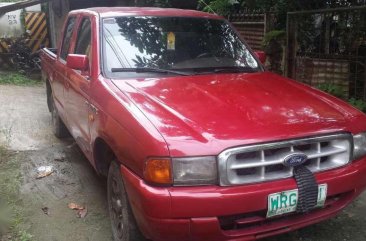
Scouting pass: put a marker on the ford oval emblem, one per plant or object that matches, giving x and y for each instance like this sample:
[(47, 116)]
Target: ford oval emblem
[(295, 159)]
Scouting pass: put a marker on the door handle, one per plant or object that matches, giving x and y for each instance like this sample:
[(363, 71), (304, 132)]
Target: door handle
[(93, 109)]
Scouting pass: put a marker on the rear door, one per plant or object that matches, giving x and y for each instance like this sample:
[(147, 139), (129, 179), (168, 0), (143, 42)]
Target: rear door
[(77, 93), (60, 77)]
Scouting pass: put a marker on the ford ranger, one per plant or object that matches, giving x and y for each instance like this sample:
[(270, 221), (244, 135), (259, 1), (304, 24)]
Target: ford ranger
[(197, 140)]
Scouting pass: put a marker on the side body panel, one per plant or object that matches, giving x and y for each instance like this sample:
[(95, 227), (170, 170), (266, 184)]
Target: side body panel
[(92, 111), (77, 95)]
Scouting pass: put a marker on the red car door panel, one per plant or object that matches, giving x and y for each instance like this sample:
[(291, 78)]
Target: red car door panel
[(77, 90)]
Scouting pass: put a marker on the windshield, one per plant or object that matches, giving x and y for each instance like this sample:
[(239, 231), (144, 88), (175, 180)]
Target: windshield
[(172, 43)]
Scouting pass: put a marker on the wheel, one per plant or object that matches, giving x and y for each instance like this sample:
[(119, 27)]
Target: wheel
[(58, 126), (124, 227), (49, 96)]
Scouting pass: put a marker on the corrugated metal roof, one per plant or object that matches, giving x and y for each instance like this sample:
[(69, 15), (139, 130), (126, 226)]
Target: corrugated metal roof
[(18, 5)]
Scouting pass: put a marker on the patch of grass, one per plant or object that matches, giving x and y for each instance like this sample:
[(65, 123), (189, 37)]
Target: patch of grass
[(24, 236), (2, 152), (7, 132), (11, 218), (17, 79)]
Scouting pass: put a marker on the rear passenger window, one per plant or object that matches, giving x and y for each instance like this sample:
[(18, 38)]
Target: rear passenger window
[(83, 41), (67, 38)]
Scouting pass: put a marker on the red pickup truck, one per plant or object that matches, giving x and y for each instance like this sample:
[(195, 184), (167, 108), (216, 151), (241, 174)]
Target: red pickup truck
[(198, 141)]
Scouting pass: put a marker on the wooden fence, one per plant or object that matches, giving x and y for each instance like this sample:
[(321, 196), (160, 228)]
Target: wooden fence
[(328, 46), (252, 27), (315, 71)]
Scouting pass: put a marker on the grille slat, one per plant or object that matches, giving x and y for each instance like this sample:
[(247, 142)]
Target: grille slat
[(264, 162), (327, 151), (255, 164)]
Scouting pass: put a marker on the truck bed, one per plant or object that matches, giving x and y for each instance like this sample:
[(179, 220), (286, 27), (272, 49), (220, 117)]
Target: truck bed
[(51, 52), (48, 59)]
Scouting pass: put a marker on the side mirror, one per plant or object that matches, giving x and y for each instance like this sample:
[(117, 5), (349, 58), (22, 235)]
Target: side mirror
[(261, 56), (78, 62)]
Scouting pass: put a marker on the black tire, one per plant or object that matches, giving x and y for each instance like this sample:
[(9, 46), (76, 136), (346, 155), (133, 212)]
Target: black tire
[(58, 126), (124, 227), (49, 96)]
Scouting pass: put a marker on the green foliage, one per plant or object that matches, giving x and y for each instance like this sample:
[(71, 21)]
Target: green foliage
[(17, 79), (338, 92), (155, 3), (332, 89), (277, 35), (162, 3), (220, 7), (358, 103), (11, 218), (281, 7), (186, 4), (25, 236), (293, 5)]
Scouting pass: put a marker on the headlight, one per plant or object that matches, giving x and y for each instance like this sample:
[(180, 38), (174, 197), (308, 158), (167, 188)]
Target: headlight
[(359, 146), (194, 171)]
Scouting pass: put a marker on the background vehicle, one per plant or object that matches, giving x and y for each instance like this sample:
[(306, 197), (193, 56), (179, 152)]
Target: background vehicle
[(198, 141)]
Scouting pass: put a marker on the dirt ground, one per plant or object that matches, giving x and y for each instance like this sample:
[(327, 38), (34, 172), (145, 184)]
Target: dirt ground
[(40, 206), (25, 130)]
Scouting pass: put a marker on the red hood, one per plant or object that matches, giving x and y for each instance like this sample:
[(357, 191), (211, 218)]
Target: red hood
[(202, 115)]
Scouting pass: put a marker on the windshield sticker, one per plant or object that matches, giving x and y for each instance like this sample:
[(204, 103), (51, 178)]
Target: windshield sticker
[(171, 41)]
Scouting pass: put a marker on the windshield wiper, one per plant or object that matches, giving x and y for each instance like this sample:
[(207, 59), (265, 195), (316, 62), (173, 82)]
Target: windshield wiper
[(148, 69), (225, 69), (234, 69)]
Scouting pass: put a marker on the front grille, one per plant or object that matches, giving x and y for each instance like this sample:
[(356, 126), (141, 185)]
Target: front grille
[(264, 162)]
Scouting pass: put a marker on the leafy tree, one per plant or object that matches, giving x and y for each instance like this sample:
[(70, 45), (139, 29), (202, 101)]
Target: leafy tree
[(221, 7), (280, 7), (192, 4)]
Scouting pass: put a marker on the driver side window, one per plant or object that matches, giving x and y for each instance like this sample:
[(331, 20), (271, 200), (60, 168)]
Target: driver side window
[(67, 38), (83, 41)]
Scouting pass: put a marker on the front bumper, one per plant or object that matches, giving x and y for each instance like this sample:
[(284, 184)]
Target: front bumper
[(232, 213)]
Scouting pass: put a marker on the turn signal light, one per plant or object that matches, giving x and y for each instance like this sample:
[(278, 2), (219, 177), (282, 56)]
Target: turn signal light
[(158, 171)]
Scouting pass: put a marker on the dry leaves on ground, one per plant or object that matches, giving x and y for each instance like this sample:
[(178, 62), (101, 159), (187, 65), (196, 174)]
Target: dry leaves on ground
[(81, 209)]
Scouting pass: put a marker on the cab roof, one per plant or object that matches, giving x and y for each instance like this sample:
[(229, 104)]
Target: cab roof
[(144, 11)]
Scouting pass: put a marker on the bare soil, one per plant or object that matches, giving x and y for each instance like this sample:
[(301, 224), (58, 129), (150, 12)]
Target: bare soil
[(40, 206), (25, 130)]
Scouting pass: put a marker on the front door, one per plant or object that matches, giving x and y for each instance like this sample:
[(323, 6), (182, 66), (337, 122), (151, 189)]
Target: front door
[(78, 106), (59, 80)]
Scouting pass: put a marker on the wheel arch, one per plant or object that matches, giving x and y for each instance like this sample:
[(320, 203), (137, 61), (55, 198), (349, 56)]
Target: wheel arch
[(103, 156)]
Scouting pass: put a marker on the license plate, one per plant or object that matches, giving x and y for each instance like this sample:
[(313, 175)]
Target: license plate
[(286, 202)]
